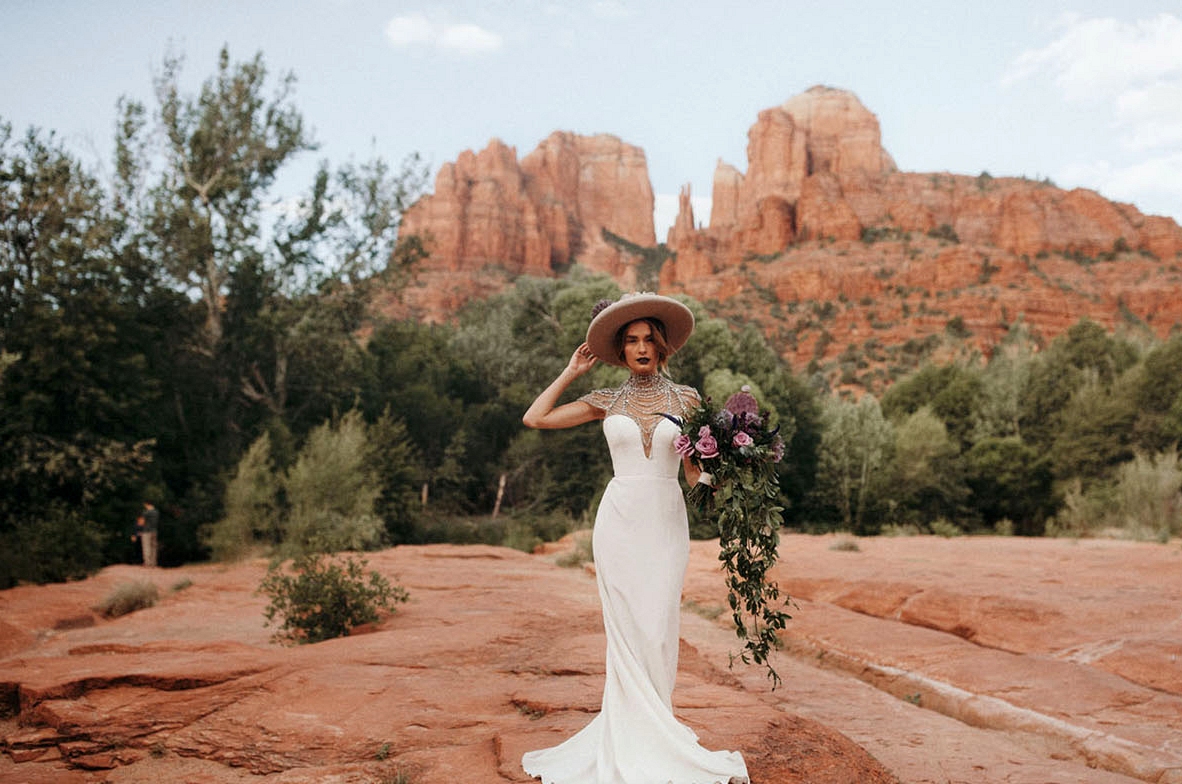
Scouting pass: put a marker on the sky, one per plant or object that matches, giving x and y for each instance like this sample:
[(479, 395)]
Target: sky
[(1074, 90)]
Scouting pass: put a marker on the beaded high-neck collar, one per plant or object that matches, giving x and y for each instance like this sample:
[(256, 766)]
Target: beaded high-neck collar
[(645, 380)]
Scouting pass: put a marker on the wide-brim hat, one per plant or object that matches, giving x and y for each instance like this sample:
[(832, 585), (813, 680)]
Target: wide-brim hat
[(601, 333)]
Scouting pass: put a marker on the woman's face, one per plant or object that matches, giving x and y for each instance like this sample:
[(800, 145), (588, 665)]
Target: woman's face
[(640, 352)]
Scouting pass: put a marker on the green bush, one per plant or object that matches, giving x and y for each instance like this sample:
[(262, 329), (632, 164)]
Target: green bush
[(1144, 501), (252, 507), (127, 598), (944, 527), (325, 597), (581, 554), (331, 491), (944, 232), (59, 544)]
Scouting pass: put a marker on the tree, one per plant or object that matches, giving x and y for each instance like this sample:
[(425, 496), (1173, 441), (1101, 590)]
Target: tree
[(1157, 396), (855, 447), (1003, 384), (1009, 480), (74, 382), (393, 459), (952, 391), (222, 151), (282, 287), (331, 491), (926, 478), (1095, 430), (252, 519), (1059, 372)]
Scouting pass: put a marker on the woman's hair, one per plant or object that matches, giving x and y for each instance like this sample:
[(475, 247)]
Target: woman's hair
[(660, 339)]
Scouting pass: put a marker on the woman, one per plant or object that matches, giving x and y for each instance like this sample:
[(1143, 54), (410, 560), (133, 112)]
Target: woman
[(641, 547)]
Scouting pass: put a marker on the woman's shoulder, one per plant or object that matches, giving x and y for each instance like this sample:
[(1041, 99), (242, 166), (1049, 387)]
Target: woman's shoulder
[(601, 398), (687, 394)]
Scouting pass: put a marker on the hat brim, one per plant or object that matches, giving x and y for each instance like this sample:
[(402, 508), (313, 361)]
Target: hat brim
[(601, 333)]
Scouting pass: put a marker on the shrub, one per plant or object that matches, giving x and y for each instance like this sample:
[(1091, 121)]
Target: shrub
[(581, 553), (1148, 502), (325, 597), (944, 527), (331, 491), (252, 507), (1144, 502), (944, 232), (126, 598), (57, 545)]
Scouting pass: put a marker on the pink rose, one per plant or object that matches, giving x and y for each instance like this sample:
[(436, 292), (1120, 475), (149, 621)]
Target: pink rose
[(707, 447), (741, 439), (704, 431), (684, 445)]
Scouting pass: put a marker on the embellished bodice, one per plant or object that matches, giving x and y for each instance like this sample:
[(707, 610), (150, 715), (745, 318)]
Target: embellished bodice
[(639, 405)]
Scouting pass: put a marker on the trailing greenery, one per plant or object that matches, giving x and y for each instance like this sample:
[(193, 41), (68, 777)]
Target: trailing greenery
[(739, 446)]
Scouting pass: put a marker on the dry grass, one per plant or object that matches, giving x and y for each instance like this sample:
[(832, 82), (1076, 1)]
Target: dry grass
[(128, 597)]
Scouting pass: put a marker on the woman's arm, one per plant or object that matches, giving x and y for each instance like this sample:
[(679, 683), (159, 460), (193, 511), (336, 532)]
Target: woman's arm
[(542, 413), (692, 472)]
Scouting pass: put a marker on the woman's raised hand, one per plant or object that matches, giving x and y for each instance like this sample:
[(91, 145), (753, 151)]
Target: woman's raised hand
[(582, 360)]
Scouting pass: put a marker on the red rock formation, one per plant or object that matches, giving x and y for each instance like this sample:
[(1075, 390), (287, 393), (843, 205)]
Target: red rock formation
[(820, 155), (479, 215), (818, 199), (530, 218)]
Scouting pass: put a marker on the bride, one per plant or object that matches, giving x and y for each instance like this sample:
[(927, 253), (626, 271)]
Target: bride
[(641, 547)]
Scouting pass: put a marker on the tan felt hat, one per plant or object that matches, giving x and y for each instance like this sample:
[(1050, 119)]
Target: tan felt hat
[(601, 334)]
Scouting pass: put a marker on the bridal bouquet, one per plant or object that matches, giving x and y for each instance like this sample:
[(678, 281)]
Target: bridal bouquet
[(737, 454)]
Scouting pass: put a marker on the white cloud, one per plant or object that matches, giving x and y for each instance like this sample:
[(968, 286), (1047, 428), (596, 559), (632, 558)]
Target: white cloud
[(407, 30), (1132, 69), (1130, 75), (1103, 58), (418, 30), (468, 39), (1153, 184), (1151, 116)]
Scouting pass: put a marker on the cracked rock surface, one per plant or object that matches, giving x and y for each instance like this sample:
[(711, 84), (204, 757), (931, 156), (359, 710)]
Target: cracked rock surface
[(914, 660)]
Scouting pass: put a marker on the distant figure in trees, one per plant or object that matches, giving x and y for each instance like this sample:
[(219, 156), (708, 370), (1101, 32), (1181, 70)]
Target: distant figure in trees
[(641, 547), (146, 526)]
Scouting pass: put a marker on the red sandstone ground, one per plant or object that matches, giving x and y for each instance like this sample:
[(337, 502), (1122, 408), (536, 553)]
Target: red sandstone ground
[(974, 660)]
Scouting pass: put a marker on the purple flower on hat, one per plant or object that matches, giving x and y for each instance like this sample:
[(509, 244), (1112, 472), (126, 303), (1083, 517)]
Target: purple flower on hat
[(600, 306)]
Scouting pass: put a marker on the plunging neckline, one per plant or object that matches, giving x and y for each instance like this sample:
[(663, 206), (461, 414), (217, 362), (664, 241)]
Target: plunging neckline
[(645, 448)]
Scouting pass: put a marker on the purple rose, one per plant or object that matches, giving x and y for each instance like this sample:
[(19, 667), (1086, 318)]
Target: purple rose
[(741, 439), (684, 445), (703, 431), (707, 447)]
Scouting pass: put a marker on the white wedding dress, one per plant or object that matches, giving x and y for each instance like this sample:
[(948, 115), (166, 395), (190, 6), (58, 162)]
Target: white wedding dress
[(641, 547)]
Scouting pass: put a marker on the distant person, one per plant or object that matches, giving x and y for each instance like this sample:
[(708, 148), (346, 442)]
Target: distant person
[(641, 547), (146, 526)]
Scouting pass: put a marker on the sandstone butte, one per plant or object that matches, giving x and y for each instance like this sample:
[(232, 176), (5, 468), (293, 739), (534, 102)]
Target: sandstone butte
[(974, 660), (822, 216)]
